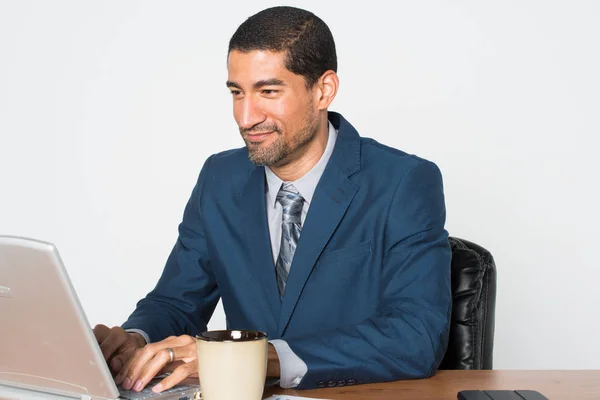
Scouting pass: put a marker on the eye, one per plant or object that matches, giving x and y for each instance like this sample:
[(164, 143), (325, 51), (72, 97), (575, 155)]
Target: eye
[(236, 93), (269, 92)]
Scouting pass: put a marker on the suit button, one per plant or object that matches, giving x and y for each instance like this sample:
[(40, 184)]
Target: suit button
[(351, 382), (321, 384), (331, 383), (341, 383)]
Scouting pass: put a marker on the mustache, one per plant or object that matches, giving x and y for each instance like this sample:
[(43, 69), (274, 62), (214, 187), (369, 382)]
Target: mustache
[(260, 128)]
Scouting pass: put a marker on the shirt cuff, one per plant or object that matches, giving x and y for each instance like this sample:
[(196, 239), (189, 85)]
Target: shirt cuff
[(141, 332), (291, 366)]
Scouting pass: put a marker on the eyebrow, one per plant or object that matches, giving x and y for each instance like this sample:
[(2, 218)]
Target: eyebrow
[(258, 84)]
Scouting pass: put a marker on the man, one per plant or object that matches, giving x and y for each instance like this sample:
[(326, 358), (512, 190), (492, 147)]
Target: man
[(332, 244)]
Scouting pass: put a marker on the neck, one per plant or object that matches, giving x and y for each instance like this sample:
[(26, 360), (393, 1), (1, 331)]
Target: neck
[(296, 167)]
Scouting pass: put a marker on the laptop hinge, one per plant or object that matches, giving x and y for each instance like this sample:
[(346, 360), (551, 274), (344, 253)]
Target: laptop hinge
[(86, 397)]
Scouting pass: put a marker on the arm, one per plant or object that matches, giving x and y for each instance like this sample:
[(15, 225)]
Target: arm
[(407, 338), (186, 294)]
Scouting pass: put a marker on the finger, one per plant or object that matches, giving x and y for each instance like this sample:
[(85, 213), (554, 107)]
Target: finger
[(118, 361), (123, 376), (130, 374), (158, 362), (115, 339), (179, 374), (161, 360), (186, 352), (132, 371), (101, 332), (170, 367)]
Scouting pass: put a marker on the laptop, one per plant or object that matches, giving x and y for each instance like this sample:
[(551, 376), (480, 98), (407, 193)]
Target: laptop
[(47, 347)]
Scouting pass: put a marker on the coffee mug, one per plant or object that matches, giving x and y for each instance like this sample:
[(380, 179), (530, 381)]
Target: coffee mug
[(232, 364)]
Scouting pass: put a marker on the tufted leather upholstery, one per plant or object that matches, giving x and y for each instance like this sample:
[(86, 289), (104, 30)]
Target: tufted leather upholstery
[(473, 303)]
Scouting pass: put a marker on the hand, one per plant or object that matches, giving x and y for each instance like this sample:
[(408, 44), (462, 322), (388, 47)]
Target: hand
[(155, 359), (117, 346)]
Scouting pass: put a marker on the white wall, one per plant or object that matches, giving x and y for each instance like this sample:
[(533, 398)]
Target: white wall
[(109, 109)]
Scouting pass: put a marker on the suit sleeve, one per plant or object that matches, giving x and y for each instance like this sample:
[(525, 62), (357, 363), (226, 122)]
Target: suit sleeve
[(407, 337), (186, 294)]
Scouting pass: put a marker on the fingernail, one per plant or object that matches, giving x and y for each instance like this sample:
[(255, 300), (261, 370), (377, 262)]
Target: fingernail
[(157, 388), (138, 385), (118, 379), (127, 384)]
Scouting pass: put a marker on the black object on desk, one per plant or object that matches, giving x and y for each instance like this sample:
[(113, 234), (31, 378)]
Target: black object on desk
[(500, 395)]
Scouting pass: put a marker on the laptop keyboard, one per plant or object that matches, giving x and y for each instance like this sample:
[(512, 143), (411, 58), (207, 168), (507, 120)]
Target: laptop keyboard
[(147, 392)]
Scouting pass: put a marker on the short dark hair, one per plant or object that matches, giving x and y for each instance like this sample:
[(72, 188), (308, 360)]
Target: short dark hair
[(306, 39)]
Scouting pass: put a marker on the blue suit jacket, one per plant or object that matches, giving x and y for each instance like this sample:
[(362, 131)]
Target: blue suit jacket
[(368, 296)]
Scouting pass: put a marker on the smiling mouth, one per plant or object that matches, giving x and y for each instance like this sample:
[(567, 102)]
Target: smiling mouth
[(258, 137)]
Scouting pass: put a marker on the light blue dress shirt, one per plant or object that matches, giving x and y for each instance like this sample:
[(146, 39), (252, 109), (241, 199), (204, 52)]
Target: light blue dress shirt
[(292, 367)]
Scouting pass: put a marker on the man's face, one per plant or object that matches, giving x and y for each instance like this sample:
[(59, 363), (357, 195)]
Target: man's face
[(272, 106)]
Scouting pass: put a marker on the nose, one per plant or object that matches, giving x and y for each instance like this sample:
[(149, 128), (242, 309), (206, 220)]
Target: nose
[(249, 113)]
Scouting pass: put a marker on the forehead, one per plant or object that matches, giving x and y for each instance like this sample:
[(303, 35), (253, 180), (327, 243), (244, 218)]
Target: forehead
[(253, 66)]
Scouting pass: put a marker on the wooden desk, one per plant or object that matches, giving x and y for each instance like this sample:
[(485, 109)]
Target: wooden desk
[(556, 385)]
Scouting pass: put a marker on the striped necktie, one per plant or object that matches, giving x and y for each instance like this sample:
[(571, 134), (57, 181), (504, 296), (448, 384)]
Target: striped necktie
[(291, 226)]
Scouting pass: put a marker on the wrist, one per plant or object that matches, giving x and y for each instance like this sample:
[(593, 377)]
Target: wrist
[(273, 367)]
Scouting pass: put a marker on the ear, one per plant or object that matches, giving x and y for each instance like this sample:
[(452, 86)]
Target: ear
[(327, 86)]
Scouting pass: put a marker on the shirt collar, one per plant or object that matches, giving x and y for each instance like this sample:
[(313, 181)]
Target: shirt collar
[(307, 184)]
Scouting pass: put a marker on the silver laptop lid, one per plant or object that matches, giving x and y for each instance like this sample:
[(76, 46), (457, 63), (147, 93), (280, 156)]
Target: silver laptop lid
[(46, 341)]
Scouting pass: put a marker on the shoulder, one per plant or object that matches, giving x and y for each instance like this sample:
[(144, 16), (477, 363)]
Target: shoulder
[(228, 163), (377, 158), (231, 159), (225, 172)]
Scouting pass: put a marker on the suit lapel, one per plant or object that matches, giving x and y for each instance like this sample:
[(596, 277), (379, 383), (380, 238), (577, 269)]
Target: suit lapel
[(260, 255), (331, 199)]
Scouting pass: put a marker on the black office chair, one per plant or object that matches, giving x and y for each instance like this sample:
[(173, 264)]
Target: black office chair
[(473, 273)]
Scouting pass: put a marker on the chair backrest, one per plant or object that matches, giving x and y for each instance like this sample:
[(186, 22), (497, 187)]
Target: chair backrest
[(471, 342)]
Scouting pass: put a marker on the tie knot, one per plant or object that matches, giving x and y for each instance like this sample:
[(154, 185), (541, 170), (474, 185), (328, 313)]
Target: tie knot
[(291, 201)]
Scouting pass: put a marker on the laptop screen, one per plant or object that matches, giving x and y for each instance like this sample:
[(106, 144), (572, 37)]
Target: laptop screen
[(47, 343)]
